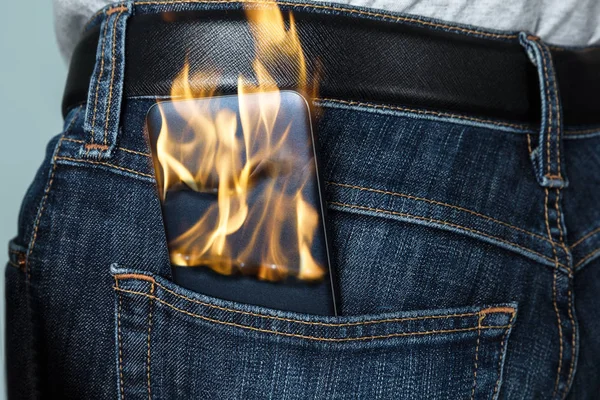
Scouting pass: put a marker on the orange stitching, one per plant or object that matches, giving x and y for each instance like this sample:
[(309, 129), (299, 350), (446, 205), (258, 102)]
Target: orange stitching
[(550, 110), (476, 356), (583, 131), (571, 319), (120, 343), (116, 9), (556, 311), (324, 339), (379, 321), (496, 310), (578, 242), (106, 147), (139, 153), (340, 9), (147, 278), (425, 112), (573, 336), (558, 116), (445, 223), (20, 267), (149, 332), (502, 352), (112, 68), (93, 146), (411, 197), (47, 192), (98, 82), (529, 144), (587, 257), (105, 163), (140, 277)]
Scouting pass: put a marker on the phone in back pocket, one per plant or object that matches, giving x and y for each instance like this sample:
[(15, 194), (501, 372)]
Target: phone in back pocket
[(243, 209)]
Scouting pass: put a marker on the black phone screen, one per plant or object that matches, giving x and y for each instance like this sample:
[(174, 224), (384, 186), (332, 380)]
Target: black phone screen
[(243, 209)]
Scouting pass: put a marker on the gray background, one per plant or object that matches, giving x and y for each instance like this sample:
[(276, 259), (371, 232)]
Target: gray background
[(32, 76)]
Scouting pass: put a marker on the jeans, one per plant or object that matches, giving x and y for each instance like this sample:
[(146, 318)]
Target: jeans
[(467, 262)]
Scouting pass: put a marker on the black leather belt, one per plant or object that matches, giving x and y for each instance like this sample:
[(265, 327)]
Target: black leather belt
[(360, 59)]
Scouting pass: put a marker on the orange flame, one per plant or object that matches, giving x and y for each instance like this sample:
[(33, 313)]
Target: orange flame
[(213, 159)]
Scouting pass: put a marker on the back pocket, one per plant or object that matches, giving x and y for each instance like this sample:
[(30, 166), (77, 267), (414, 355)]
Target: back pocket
[(174, 343)]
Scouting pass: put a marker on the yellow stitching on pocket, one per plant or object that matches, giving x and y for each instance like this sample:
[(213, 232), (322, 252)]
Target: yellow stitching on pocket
[(497, 385), (120, 338), (494, 310), (149, 333), (481, 317), (323, 339)]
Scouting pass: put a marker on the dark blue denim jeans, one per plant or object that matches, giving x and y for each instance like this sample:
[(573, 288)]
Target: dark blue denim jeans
[(468, 264)]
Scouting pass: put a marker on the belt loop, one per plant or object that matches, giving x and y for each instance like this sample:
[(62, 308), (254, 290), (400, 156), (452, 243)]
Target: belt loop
[(547, 156), (105, 94)]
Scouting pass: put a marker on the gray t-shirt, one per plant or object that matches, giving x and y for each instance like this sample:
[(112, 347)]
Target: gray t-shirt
[(559, 22)]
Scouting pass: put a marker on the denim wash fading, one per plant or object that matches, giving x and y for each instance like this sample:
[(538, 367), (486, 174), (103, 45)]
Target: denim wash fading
[(468, 264)]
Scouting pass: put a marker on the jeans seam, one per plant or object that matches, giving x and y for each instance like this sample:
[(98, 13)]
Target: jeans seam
[(569, 290), (585, 237), (309, 337), (46, 194), (383, 211), (554, 299), (476, 356), (586, 257), (120, 345), (148, 360), (77, 160), (497, 385), (435, 202), (424, 112)]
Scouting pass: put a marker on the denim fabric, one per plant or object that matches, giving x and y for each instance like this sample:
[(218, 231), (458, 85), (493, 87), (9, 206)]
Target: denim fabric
[(467, 262)]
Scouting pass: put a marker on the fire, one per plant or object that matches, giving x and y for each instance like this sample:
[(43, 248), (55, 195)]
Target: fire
[(260, 222)]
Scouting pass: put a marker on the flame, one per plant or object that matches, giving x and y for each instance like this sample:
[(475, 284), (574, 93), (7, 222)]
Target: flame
[(213, 159)]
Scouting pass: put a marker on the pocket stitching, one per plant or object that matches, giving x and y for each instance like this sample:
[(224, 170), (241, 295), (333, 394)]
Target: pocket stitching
[(120, 338), (318, 338), (501, 356), (506, 310), (148, 360)]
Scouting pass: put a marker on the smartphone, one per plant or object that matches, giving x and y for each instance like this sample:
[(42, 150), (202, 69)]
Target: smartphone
[(242, 201)]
